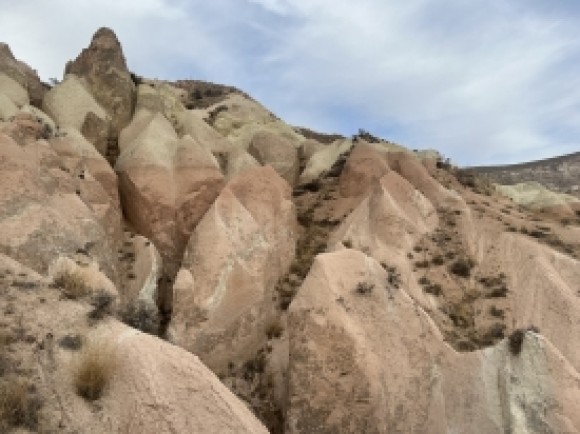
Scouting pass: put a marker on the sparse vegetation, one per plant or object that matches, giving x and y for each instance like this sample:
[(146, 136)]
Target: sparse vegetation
[(364, 288), (102, 303), (438, 260), (94, 369), (72, 285), (19, 404), (142, 316), (462, 267), (516, 341)]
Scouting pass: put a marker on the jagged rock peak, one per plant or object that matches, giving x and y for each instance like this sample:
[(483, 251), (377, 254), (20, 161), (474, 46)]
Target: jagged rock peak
[(104, 48)]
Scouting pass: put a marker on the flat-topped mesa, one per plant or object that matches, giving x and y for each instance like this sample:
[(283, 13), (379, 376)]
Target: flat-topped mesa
[(104, 68)]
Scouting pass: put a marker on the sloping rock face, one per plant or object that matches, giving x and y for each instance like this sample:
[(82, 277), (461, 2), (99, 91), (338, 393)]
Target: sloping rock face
[(151, 387), (166, 183), (48, 209), (236, 254), (269, 148), (71, 105), (13, 90), (103, 67), (365, 357), (23, 74)]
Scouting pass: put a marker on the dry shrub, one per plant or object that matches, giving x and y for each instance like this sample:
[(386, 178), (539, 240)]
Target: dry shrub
[(72, 284), (274, 330), (19, 404), (141, 315), (516, 341), (94, 369), (462, 267)]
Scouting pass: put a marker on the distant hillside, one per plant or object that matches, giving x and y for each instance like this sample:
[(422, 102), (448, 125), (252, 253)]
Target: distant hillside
[(560, 174)]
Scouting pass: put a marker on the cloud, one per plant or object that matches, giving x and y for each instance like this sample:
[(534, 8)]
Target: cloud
[(481, 81)]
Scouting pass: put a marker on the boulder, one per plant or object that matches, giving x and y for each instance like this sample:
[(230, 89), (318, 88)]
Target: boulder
[(269, 148), (241, 247)]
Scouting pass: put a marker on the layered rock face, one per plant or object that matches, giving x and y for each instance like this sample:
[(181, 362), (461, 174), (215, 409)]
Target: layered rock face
[(180, 240)]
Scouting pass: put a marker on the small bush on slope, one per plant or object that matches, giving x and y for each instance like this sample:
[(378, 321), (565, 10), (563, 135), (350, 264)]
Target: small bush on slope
[(94, 369)]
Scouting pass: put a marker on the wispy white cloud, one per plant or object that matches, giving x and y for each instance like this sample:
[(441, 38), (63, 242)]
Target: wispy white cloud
[(482, 81)]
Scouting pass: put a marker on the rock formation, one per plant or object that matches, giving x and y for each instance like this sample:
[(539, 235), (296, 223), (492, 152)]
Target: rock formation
[(175, 258)]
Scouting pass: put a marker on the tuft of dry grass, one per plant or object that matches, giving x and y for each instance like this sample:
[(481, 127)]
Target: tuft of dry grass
[(19, 405), (94, 370), (72, 284)]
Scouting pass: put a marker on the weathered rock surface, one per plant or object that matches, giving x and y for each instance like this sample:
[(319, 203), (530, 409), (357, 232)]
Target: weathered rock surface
[(23, 74), (47, 210), (238, 118), (70, 104), (243, 244), (369, 359), (166, 183), (362, 168), (13, 90), (103, 67), (323, 160), (269, 148), (152, 386)]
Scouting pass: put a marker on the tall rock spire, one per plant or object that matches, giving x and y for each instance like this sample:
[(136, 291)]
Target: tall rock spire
[(102, 64)]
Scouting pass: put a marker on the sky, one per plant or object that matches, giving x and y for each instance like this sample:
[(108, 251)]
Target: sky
[(482, 81)]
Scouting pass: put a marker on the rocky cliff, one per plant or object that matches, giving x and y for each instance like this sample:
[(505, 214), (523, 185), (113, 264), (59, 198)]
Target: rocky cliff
[(175, 258)]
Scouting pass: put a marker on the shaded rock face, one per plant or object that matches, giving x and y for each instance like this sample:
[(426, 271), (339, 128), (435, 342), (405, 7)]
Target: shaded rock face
[(103, 67), (23, 74), (238, 251)]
